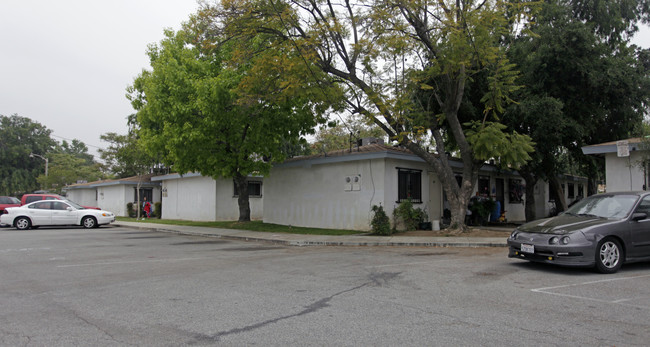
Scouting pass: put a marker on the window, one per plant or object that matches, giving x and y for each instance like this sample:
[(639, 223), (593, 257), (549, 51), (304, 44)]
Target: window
[(254, 189), (516, 190), (484, 186), (58, 205), (571, 190), (409, 185), (144, 192), (581, 191)]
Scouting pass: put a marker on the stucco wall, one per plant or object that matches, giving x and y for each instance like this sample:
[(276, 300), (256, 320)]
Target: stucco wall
[(319, 196), (623, 173), (189, 198), (114, 198), (86, 197), (227, 206), (431, 188)]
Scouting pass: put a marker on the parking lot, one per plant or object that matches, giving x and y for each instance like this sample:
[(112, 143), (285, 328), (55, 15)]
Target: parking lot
[(119, 286)]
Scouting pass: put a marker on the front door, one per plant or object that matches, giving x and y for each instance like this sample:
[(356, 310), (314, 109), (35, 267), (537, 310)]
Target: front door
[(640, 231), (61, 215), (40, 213)]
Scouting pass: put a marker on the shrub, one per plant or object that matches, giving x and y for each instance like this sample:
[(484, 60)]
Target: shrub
[(380, 224), (481, 208), (157, 209), (129, 210), (411, 217)]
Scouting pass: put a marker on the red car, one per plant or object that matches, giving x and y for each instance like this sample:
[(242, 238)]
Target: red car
[(8, 201), (27, 198)]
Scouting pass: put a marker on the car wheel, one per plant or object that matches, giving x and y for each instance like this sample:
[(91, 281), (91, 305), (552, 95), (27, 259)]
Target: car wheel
[(22, 223), (609, 256), (89, 222)]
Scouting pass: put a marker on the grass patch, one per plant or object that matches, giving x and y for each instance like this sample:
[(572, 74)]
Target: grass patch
[(252, 226)]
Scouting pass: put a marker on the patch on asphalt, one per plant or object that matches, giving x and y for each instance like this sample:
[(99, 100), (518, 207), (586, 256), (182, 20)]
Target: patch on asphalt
[(198, 243), (428, 254), (250, 249)]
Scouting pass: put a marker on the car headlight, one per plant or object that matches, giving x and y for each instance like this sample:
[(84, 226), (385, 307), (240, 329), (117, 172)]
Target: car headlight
[(565, 240), (514, 234), (554, 240)]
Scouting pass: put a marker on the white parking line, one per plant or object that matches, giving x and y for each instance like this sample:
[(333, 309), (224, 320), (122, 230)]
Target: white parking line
[(622, 301), (129, 262)]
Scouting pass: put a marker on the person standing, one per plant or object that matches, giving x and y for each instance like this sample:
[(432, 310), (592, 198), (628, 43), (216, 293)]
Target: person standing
[(146, 206)]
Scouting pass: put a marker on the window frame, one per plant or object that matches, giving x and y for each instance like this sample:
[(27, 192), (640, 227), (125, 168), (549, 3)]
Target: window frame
[(249, 184), (410, 185)]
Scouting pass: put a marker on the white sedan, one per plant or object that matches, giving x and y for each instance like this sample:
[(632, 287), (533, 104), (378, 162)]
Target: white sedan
[(54, 212)]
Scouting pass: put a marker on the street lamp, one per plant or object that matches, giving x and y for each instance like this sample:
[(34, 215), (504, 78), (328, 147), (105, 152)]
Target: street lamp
[(32, 155)]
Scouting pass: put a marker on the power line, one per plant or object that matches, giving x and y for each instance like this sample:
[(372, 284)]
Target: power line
[(67, 139)]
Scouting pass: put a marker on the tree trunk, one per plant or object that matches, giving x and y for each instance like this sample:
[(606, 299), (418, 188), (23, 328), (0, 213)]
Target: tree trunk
[(555, 190), (138, 207), (530, 209), (242, 200)]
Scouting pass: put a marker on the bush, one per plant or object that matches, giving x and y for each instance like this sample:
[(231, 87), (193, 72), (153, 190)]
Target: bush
[(157, 209), (129, 210), (481, 209), (411, 217), (380, 224)]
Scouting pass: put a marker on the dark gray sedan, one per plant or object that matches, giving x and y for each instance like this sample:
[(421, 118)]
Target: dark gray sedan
[(604, 230)]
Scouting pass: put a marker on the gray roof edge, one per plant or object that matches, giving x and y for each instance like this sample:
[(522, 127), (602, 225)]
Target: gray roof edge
[(173, 176), (599, 149), (113, 183), (349, 158)]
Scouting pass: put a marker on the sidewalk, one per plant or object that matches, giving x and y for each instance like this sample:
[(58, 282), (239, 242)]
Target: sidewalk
[(321, 240)]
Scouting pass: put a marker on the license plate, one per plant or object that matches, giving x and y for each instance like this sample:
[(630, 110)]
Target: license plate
[(527, 248)]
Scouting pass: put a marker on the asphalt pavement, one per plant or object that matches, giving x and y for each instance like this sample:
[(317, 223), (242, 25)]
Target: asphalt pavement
[(322, 240)]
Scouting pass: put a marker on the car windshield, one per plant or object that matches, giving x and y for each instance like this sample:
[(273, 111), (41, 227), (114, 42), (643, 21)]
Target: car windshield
[(605, 206), (74, 204)]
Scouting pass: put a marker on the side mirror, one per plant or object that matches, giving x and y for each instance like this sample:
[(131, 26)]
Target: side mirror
[(70, 208), (637, 216)]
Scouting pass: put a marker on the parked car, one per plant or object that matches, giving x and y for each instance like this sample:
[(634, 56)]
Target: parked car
[(54, 212), (27, 198), (602, 231), (8, 201)]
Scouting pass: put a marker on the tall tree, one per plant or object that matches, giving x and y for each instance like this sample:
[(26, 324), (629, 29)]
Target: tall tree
[(20, 136), (78, 149), (584, 84), (406, 66), (65, 169), (214, 109), (344, 133)]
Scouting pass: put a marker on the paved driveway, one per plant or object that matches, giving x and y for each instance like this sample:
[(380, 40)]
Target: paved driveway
[(121, 286)]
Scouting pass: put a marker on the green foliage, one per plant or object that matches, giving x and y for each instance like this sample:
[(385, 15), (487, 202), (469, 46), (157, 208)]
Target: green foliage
[(584, 82), (65, 169), (380, 224), (20, 136), (336, 134), (130, 210), (481, 209), (125, 156), (404, 65), (219, 108), (157, 210), (410, 216), (489, 141)]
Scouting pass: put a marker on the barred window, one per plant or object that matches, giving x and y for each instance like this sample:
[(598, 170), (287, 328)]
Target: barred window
[(409, 185)]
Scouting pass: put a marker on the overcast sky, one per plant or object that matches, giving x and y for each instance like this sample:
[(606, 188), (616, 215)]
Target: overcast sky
[(66, 63)]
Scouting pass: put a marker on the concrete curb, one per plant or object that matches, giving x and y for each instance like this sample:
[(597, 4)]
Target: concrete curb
[(321, 240)]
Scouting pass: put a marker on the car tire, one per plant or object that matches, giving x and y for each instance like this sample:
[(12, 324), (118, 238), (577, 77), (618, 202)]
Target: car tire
[(22, 223), (609, 256), (89, 222)]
